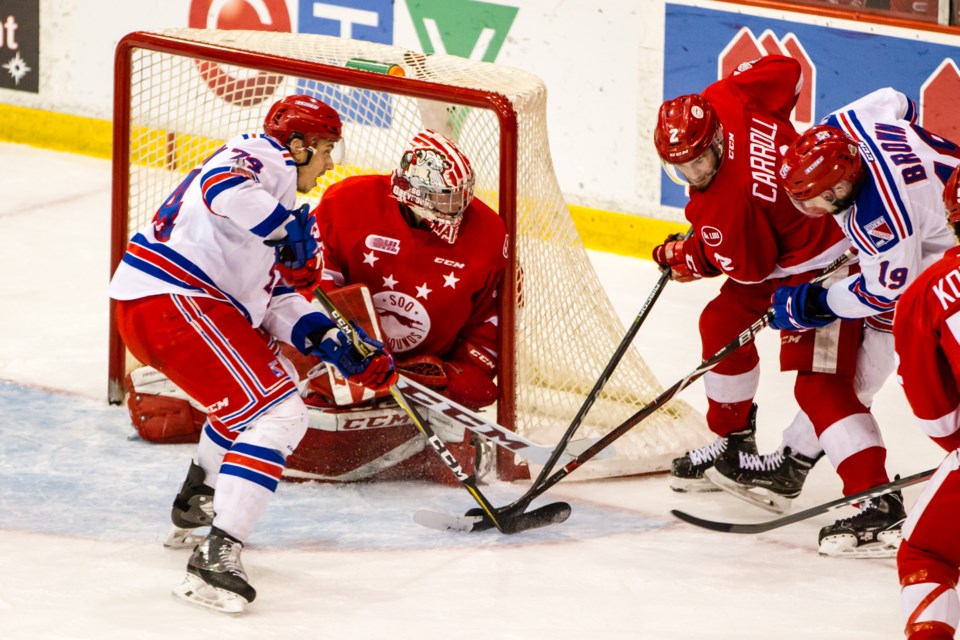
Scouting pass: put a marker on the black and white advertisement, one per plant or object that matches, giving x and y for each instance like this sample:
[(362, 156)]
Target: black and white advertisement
[(20, 45)]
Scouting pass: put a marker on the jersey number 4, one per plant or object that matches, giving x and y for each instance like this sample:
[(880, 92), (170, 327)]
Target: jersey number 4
[(166, 215)]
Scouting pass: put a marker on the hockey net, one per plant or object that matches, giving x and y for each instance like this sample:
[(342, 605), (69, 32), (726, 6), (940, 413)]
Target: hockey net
[(180, 93)]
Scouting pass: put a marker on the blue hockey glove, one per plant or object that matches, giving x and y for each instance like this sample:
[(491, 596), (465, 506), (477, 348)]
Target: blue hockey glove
[(297, 254), (801, 307), (376, 371)]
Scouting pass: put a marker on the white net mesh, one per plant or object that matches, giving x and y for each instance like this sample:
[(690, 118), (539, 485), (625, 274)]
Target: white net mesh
[(181, 109)]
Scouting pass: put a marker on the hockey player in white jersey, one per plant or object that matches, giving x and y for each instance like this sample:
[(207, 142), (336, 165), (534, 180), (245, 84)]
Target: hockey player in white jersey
[(203, 295), (881, 177)]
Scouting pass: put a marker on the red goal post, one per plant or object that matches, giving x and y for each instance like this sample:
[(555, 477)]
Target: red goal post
[(181, 92)]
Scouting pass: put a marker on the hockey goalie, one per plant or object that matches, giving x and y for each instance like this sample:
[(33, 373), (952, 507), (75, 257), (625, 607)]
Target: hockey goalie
[(416, 261)]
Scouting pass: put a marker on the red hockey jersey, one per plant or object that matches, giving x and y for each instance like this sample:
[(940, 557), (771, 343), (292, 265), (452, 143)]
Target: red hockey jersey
[(926, 331), (429, 294), (744, 222)]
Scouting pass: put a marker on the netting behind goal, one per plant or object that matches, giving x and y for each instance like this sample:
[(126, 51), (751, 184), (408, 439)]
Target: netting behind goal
[(180, 93)]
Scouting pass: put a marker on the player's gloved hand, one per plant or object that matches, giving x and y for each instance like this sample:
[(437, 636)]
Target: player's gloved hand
[(800, 307), (684, 257), (298, 258), (376, 371)]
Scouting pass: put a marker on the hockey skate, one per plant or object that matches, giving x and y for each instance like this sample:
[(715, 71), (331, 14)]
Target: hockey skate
[(215, 577), (875, 532), (192, 509), (688, 470), (770, 481)]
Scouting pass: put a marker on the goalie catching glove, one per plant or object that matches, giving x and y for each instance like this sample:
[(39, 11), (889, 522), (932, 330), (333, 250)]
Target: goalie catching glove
[(298, 254), (801, 307), (685, 258)]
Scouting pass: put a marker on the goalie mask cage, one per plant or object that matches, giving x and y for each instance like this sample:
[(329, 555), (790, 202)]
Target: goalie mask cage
[(180, 93)]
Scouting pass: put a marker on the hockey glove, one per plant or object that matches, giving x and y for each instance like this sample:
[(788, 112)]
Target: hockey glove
[(685, 258), (470, 372), (801, 307), (426, 370), (376, 372), (298, 253)]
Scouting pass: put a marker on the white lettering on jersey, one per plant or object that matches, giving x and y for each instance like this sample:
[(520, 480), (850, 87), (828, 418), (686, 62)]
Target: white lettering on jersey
[(723, 262), (449, 263), (952, 280), (763, 160), (382, 243)]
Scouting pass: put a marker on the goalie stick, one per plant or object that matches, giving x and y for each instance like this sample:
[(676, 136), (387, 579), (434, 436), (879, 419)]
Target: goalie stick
[(474, 521), (549, 514), (761, 527)]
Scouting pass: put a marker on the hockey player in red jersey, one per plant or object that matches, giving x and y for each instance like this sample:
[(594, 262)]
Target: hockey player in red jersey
[(926, 333), (433, 259), (723, 144), (199, 296), (880, 177)]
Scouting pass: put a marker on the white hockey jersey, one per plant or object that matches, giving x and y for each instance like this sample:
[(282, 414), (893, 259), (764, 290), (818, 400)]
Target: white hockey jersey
[(897, 219), (207, 238)]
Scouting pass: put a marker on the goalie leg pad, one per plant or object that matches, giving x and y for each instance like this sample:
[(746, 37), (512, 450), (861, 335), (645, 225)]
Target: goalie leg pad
[(163, 419)]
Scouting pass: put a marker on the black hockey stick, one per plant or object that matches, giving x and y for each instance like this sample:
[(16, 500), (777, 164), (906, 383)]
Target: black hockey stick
[(602, 380), (760, 527), (540, 517), (523, 501), (478, 522)]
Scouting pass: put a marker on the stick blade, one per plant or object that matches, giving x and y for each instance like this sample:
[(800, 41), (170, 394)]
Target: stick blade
[(724, 527), (475, 520)]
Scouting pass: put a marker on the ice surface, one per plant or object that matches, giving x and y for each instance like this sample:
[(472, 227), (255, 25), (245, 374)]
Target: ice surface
[(83, 507)]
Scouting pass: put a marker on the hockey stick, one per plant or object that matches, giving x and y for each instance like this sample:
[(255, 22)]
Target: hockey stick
[(452, 413), (524, 500), (760, 527), (556, 512), (478, 522)]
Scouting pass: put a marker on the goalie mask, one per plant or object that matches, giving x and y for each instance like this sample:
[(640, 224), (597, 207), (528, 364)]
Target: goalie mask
[(436, 181), (689, 141), (307, 118), (821, 171)]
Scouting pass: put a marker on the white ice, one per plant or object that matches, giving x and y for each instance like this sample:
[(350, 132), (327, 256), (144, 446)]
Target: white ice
[(83, 508)]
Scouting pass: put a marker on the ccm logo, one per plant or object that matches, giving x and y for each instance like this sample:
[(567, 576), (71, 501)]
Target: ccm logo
[(449, 263)]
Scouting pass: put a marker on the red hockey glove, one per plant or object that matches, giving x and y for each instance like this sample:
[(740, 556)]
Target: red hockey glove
[(470, 373), (426, 370), (685, 258)]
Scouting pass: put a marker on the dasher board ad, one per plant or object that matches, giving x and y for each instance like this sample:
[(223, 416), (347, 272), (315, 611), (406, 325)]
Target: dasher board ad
[(702, 45)]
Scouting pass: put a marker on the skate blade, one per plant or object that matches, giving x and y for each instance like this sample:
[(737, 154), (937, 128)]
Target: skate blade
[(845, 546), (692, 485), (178, 538), (757, 496), (199, 593)]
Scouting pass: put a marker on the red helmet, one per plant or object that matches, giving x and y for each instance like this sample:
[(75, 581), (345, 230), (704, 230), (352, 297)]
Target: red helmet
[(436, 180), (686, 127), (951, 197), (819, 160), (302, 116)]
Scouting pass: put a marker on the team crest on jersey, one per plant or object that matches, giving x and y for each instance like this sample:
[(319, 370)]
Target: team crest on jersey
[(404, 320), (880, 230), (711, 236), (382, 243)]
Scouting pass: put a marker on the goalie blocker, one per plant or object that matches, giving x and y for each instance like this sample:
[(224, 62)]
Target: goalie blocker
[(354, 434)]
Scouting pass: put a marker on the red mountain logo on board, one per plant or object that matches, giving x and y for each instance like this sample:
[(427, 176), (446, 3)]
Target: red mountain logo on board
[(745, 46)]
